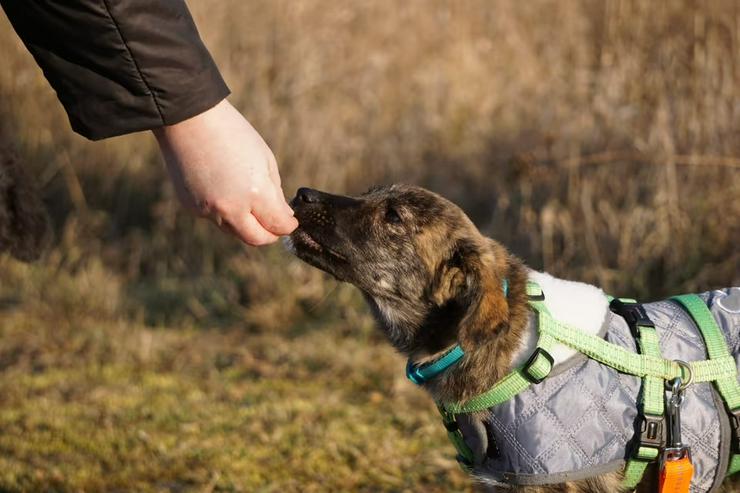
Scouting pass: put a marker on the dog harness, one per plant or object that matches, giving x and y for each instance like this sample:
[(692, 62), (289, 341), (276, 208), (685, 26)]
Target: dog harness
[(605, 408)]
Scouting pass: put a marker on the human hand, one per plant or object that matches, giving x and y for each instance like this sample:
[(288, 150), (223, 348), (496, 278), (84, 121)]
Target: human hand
[(222, 169)]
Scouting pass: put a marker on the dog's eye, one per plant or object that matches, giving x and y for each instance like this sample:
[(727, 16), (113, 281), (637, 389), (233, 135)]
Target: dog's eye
[(392, 216)]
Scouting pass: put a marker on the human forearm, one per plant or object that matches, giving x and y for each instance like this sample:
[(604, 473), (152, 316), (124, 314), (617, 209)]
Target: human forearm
[(120, 67)]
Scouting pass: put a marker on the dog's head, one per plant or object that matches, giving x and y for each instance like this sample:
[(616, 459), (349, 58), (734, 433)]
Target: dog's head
[(428, 274)]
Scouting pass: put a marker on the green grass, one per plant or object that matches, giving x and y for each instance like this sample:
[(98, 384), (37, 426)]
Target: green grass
[(148, 352), (92, 403)]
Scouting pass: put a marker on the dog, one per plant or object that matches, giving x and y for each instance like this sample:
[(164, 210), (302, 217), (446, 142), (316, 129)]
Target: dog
[(434, 282)]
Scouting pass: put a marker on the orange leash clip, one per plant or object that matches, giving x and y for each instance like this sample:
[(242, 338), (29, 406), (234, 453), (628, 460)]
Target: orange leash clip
[(676, 474), (676, 469)]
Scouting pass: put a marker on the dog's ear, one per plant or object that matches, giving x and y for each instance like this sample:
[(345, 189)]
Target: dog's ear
[(476, 282), (450, 282)]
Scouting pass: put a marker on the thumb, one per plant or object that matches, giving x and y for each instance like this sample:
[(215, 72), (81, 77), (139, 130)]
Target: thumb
[(275, 215), (249, 230)]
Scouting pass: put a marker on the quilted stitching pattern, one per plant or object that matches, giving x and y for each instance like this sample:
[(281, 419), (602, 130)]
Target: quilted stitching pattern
[(681, 339), (585, 416), (575, 419)]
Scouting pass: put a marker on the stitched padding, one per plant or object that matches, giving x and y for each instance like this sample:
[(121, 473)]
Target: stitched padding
[(584, 417)]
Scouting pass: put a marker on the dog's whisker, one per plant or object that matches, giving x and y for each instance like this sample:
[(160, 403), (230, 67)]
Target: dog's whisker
[(322, 300)]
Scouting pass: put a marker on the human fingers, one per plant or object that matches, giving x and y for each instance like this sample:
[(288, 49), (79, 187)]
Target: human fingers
[(274, 214), (249, 230)]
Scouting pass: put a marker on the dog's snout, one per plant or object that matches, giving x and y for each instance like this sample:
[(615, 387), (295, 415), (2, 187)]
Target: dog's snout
[(308, 195)]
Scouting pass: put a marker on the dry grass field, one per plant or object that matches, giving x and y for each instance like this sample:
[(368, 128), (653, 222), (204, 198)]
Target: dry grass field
[(599, 140)]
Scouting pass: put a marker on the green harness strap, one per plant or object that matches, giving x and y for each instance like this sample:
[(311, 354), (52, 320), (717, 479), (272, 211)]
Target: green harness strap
[(536, 369), (716, 349), (533, 371), (652, 407), (734, 465), (465, 456), (649, 365), (552, 331), (641, 365)]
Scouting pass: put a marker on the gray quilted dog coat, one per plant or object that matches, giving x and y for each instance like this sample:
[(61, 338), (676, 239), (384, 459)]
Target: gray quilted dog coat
[(581, 420)]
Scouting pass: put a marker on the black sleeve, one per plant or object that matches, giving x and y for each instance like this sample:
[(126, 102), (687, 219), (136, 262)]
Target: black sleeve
[(119, 66)]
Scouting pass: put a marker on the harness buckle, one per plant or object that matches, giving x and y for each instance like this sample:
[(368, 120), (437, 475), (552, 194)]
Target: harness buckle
[(632, 312), (534, 292), (465, 455), (534, 373), (651, 432)]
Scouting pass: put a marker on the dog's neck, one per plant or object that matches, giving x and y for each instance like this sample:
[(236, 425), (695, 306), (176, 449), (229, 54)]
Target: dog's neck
[(579, 305), (499, 321)]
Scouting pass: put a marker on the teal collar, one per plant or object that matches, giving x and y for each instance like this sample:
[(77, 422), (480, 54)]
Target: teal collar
[(423, 373)]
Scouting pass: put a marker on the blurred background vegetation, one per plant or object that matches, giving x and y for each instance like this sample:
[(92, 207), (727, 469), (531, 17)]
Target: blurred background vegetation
[(599, 140)]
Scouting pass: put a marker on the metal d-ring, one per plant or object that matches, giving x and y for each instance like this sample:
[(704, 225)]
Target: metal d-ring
[(685, 370)]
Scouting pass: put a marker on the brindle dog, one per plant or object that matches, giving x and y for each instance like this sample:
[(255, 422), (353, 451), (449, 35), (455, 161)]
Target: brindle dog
[(432, 280)]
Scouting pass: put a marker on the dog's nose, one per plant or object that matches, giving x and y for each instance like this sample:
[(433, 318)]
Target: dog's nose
[(308, 195)]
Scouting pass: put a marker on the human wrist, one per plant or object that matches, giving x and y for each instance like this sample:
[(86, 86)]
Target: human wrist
[(192, 124)]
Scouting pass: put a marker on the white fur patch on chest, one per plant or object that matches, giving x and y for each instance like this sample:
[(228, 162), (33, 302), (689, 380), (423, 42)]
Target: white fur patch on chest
[(577, 304)]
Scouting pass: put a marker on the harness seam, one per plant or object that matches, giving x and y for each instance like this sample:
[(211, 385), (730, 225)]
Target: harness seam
[(711, 371), (682, 314), (566, 436), (705, 472), (532, 409), (605, 416), (508, 436), (599, 404), (700, 438)]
